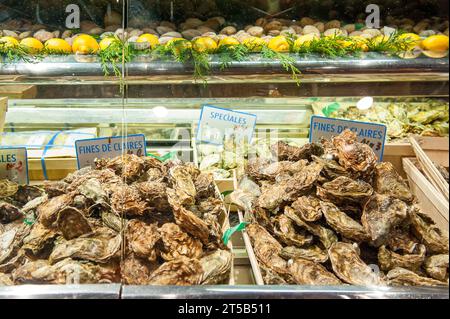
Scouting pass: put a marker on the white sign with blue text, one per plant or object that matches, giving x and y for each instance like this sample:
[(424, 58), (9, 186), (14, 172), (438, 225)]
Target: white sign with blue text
[(217, 123), (14, 164), (108, 147), (372, 134)]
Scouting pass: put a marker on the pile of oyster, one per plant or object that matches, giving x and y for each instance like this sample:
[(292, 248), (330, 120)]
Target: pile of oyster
[(330, 214), (130, 219)]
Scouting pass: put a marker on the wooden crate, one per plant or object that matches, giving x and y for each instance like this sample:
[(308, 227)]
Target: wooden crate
[(435, 147), (57, 168), (18, 91)]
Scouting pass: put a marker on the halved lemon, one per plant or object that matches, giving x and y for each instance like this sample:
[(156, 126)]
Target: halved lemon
[(149, 38), (204, 44), (9, 42), (437, 43), (32, 45), (360, 42), (413, 40), (58, 46), (279, 44), (228, 41), (254, 44), (85, 44)]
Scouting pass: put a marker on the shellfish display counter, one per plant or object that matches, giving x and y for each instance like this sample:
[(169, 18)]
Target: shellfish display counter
[(270, 213)]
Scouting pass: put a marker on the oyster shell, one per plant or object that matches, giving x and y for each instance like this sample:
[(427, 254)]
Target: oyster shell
[(191, 224), (387, 181), (127, 200), (308, 208), (331, 168), (205, 187), (92, 189), (39, 238), (216, 267), (154, 193), (182, 183), (176, 243), (8, 188), (326, 236), (284, 230), (72, 223), (401, 240), (344, 190), (380, 215), (285, 152), (137, 271), (27, 193), (343, 224), (48, 212), (437, 267), (5, 280), (272, 171), (142, 239), (405, 277), (427, 231), (180, 272), (8, 213), (313, 253), (55, 188), (307, 272), (389, 260), (349, 267)]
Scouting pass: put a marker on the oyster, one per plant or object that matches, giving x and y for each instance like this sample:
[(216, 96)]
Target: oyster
[(8, 188), (55, 188), (177, 243), (380, 215), (387, 181), (39, 238), (27, 193), (212, 160), (8, 213), (216, 267), (331, 169), (72, 224), (313, 253), (48, 212), (306, 272), (5, 280), (344, 190), (284, 230), (204, 185), (112, 220), (427, 231), (405, 277), (267, 250), (437, 267), (127, 200), (191, 224), (270, 277), (355, 157), (401, 240), (136, 271), (242, 199), (182, 183), (285, 152), (181, 272), (349, 267), (343, 224), (26, 273), (92, 189), (272, 171), (308, 208), (7, 240), (326, 236), (142, 239), (389, 260), (154, 193)]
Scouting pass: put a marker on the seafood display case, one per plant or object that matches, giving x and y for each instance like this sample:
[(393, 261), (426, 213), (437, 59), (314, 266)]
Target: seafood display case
[(74, 70)]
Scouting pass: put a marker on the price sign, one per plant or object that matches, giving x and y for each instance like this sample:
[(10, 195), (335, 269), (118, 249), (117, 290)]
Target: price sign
[(217, 123), (372, 134), (14, 164), (108, 147)]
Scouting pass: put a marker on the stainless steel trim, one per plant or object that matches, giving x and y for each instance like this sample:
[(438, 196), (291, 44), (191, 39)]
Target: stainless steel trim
[(106, 291)]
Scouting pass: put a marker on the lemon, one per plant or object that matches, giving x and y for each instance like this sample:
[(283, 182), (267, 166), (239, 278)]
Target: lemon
[(360, 43), (149, 38), (228, 41), (9, 42), (254, 44), (106, 43), (304, 40), (204, 44), (85, 44), (32, 45), (58, 46), (412, 39), (436, 43), (279, 44)]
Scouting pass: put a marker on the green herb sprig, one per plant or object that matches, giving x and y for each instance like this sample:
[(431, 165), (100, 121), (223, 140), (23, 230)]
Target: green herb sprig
[(287, 62)]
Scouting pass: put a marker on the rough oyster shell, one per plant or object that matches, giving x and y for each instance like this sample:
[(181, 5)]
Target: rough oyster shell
[(405, 277), (285, 152), (308, 208), (136, 271), (55, 188), (437, 267), (345, 190), (8, 188), (154, 193), (284, 230), (389, 260), (401, 240), (349, 267), (38, 239), (331, 168), (48, 212), (5, 280), (180, 272), (271, 171), (8, 213), (216, 267), (176, 243), (427, 231), (343, 224), (182, 183), (204, 185), (127, 200), (387, 181), (326, 236), (142, 239), (27, 193), (380, 215), (191, 224), (313, 253), (72, 223), (92, 189), (307, 272)]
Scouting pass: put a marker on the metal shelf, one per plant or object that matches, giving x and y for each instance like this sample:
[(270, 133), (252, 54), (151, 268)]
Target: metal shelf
[(106, 291)]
